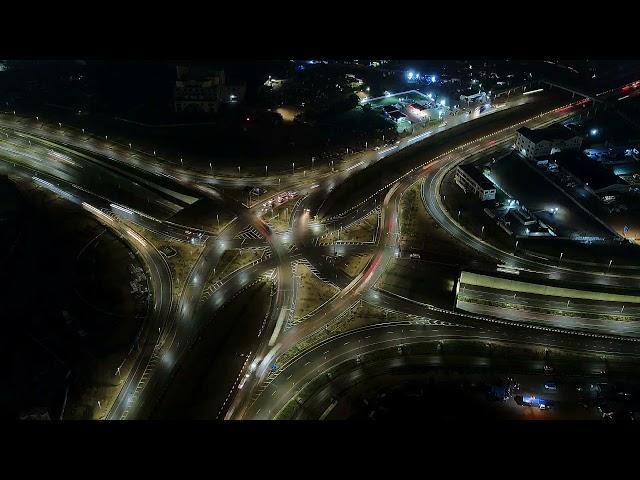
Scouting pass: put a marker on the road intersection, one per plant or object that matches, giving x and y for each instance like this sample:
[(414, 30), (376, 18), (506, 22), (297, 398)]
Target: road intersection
[(148, 191)]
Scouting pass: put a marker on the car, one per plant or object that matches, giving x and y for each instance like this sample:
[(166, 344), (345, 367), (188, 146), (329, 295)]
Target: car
[(376, 149), (443, 124), (414, 255), (550, 386)]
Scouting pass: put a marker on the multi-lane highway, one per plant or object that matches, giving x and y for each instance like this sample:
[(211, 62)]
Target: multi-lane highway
[(143, 189)]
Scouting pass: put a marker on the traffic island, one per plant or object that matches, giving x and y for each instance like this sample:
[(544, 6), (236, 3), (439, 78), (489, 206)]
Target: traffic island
[(352, 265), (279, 218), (312, 292), (362, 230), (180, 263)]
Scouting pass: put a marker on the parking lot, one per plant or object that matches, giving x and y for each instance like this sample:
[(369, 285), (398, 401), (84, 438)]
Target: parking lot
[(412, 107), (520, 182)]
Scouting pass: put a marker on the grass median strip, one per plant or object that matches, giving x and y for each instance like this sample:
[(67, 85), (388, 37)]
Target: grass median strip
[(547, 311)]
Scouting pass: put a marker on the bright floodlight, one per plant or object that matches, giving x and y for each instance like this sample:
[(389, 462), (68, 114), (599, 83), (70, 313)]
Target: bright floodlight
[(594, 131), (433, 78), (442, 102), (410, 75)]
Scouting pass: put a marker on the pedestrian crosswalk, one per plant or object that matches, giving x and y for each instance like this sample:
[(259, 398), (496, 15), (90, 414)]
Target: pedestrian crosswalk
[(249, 232)]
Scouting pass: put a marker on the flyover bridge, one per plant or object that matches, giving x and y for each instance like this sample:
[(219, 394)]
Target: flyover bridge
[(574, 91)]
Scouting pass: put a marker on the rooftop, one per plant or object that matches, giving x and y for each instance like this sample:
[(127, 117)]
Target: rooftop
[(397, 115), (417, 106), (477, 176), (558, 132), (596, 175)]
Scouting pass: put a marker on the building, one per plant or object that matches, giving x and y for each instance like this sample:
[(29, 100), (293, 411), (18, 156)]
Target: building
[(469, 178), (470, 97), (546, 141), (353, 81), (418, 110), (397, 116), (201, 89), (275, 83), (595, 175)]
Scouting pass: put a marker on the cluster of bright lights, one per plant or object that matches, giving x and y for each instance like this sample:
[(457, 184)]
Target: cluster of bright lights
[(411, 75)]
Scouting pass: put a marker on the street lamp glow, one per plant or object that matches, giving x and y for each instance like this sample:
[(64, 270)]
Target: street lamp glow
[(442, 102), (594, 132), (433, 79)]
